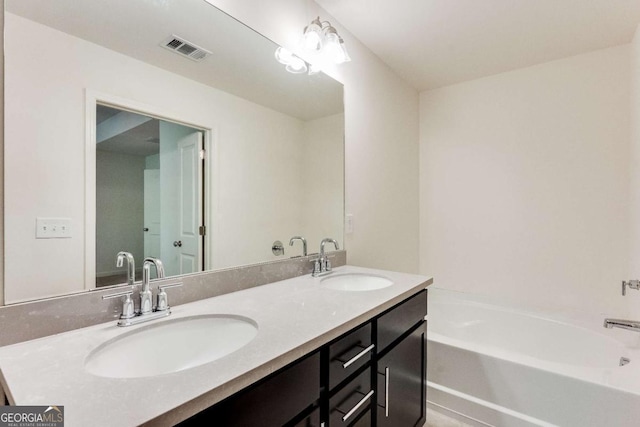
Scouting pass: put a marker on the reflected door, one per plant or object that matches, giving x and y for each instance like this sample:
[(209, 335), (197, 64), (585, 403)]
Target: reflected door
[(152, 224), (181, 198)]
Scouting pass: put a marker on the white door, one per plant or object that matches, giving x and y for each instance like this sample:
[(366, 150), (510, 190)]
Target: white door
[(152, 213), (181, 198), (190, 248)]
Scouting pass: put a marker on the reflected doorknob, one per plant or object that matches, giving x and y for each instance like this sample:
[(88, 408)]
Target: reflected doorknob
[(177, 243)]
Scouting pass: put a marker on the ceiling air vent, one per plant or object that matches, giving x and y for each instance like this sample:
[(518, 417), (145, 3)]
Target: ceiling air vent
[(185, 48)]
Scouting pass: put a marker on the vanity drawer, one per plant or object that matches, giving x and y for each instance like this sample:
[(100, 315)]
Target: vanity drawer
[(312, 420), (349, 353), (400, 319), (348, 404), (271, 402)]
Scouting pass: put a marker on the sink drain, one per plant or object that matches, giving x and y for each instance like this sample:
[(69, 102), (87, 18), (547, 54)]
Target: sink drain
[(624, 361)]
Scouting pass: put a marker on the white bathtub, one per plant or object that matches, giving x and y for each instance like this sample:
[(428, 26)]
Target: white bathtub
[(501, 366)]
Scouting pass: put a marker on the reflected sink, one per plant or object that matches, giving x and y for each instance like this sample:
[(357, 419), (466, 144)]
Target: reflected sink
[(355, 282), (171, 346)]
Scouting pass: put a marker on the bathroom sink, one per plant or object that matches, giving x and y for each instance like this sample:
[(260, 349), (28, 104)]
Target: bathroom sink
[(171, 346), (355, 282)]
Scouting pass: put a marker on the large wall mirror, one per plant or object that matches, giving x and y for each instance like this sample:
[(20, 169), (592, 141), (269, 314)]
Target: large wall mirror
[(163, 128)]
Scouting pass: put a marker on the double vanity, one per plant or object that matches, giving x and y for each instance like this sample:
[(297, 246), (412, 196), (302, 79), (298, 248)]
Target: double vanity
[(206, 186), (344, 349)]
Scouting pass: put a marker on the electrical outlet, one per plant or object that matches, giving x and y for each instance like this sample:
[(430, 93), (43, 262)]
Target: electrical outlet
[(53, 228)]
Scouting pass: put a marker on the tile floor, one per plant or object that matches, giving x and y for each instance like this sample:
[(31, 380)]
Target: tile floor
[(436, 419)]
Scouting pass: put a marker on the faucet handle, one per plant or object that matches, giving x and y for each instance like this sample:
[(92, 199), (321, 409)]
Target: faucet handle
[(127, 304), (162, 301), (316, 266)]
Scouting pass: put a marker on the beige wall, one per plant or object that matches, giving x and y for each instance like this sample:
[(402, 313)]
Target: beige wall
[(381, 137), (524, 183), (633, 297)]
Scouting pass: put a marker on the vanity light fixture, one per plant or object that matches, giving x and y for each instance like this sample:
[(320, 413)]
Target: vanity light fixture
[(322, 38), (324, 45), (293, 63)]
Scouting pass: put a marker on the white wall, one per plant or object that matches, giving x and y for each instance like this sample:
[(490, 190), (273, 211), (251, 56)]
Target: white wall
[(46, 126), (524, 183), (119, 208), (633, 297), (381, 137)]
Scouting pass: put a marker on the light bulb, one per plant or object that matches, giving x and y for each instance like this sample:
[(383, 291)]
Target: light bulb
[(312, 41), (345, 54), (296, 66), (283, 55), (314, 69), (312, 38), (332, 48)]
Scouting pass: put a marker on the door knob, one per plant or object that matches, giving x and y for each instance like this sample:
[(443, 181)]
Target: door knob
[(177, 243)]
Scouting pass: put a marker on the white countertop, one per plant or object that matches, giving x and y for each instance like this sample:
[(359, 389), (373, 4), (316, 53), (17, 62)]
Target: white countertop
[(294, 317)]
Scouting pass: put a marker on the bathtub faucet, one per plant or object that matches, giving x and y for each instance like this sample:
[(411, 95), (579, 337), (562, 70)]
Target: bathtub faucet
[(632, 325)]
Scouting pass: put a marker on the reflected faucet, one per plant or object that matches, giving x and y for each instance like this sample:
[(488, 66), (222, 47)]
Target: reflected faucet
[(146, 297), (632, 325), (131, 266), (304, 243)]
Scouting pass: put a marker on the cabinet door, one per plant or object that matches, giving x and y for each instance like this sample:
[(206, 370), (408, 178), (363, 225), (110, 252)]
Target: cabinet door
[(402, 381)]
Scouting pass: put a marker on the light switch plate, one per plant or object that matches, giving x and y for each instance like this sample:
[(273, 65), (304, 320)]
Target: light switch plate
[(348, 223), (53, 228)]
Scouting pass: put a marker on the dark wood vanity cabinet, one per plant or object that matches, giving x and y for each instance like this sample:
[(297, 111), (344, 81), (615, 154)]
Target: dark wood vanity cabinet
[(402, 383), (273, 401), (374, 375)]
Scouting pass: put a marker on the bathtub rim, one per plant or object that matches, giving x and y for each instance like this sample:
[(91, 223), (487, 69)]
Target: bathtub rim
[(625, 381)]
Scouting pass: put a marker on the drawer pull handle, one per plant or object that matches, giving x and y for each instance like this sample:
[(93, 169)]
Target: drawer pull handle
[(351, 361), (358, 405), (386, 391)]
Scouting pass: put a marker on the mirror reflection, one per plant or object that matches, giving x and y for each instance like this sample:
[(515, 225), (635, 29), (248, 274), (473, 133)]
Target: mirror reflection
[(149, 193), (134, 147)]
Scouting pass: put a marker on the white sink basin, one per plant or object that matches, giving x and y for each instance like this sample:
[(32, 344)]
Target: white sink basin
[(355, 282), (171, 346)]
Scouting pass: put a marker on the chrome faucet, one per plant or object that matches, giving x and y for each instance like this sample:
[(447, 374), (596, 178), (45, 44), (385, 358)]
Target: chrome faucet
[(632, 325), (147, 312), (304, 243), (131, 266), (322, 265), (146, 297)]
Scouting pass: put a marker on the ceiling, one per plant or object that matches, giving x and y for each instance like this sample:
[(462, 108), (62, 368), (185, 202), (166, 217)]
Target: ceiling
[(141, 140), (435, 43), (242, 61)]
